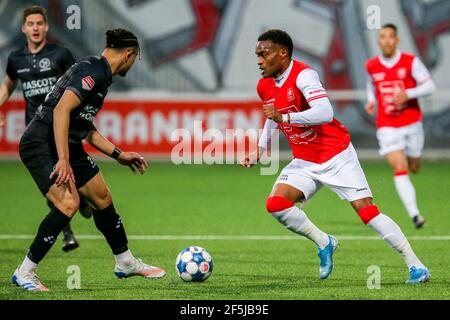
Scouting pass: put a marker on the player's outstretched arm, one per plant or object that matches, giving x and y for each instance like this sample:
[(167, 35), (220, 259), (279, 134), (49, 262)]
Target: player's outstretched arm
[(61, 121), (264, 144), (6, 88), (134, 160)]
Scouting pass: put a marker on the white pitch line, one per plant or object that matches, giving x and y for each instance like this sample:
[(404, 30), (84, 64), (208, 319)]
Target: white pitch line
[(224, 237)]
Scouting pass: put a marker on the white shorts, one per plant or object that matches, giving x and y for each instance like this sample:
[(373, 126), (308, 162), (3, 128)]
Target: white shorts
[(409, 138), (342, 174)]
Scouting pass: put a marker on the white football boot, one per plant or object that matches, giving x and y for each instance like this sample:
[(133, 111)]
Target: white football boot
[(28, 281), (139, 268)]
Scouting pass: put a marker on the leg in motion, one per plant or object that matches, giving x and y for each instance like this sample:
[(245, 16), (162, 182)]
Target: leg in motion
[(403, 184), (391, 233), (66, 201), (281, 204), (109, 223), (69, 241)]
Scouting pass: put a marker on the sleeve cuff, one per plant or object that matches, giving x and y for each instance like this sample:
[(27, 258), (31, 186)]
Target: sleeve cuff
[(77, 93)]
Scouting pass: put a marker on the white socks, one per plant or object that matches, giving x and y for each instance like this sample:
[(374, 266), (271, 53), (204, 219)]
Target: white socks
[(407, 193), (296, 220), (27, 266), (390, 232), (125, 259)]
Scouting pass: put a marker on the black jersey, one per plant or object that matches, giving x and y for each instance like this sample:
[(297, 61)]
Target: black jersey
[(38, 73), (89, 79)]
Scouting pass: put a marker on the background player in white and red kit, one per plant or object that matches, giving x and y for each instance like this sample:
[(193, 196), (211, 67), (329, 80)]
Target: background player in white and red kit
[(395, 80), (295, 102)]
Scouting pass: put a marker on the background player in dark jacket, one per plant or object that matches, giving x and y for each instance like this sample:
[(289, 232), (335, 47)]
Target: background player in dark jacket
[(38, 65), (60, 168)]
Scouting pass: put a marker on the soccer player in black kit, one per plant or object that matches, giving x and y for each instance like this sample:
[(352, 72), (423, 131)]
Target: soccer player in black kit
[(38, 65), (60, 168)]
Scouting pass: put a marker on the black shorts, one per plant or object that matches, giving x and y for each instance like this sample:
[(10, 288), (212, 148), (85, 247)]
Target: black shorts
[(38, 153)]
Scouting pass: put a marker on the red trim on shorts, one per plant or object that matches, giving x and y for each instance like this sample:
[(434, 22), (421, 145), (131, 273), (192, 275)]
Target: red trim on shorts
[(368, 213), (275, 204), (401, 173)]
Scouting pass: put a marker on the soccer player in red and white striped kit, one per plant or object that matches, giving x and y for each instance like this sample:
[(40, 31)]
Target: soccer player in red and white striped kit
[(395, 80), (295, 102)]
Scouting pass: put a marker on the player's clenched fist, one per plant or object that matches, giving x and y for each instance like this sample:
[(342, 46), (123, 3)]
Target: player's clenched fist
[(271, 112), (250, 160)]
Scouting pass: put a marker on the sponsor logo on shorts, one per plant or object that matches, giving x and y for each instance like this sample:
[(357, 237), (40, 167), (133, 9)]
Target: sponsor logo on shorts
[(284, 177), (362, 189), (93, 164), (87, 83)]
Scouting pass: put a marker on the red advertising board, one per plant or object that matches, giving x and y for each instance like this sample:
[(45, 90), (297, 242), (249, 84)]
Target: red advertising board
[(148, 126)]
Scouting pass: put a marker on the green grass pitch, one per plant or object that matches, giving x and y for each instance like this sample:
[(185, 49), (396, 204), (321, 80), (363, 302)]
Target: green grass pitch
[(229, 200)]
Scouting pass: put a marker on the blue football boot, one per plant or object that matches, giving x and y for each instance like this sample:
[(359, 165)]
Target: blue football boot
[(326, 257), (418, 275)]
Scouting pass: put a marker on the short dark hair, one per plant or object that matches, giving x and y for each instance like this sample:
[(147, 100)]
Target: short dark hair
[(390, 25), (121, 38), (34, 9), (278, 37)]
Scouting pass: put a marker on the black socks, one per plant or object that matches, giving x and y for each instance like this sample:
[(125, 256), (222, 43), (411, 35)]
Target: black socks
[(109, 223), (48, 231)]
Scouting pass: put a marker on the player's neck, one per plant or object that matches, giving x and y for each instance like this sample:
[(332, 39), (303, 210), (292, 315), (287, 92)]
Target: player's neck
[(35, 48), (114, 63), (390, 56), (283, 70)]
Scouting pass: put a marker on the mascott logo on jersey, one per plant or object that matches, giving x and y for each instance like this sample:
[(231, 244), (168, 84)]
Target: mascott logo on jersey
[(87, 83)]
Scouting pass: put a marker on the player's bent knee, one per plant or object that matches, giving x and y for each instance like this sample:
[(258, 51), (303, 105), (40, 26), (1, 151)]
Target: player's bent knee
[(69, 206), (103, 199), (276, 204), (368, 213)]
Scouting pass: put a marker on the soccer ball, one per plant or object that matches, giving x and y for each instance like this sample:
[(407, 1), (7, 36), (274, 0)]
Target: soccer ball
[(194, 264)]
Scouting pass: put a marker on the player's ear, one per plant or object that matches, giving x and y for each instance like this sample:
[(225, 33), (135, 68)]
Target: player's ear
[(284, 52), (128, 54)]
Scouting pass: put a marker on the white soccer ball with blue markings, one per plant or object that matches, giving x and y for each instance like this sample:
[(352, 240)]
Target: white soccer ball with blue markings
[(194, 264)]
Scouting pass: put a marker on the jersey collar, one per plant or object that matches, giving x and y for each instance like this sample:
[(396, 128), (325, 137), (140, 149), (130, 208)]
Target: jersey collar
[(279, 81), (390, 62), (27, 51)]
